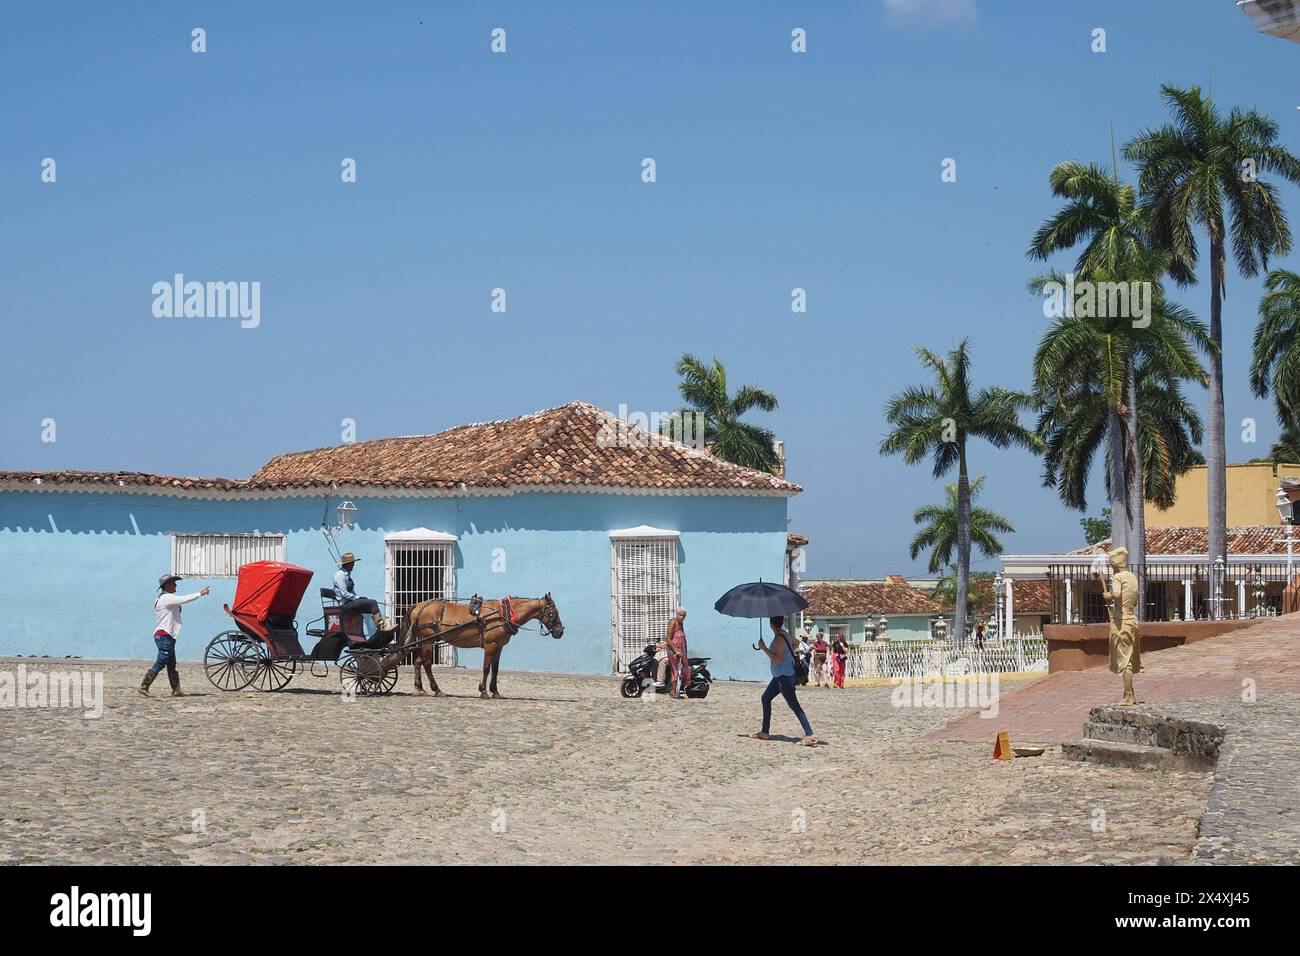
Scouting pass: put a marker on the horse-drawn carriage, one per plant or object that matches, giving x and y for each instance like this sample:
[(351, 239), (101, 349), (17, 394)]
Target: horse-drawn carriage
[(263, 651)]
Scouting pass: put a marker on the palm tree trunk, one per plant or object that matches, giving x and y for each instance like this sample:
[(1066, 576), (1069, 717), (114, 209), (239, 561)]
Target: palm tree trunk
[(1116, 489), (963, 547), (1215, 452), (1137, 526)]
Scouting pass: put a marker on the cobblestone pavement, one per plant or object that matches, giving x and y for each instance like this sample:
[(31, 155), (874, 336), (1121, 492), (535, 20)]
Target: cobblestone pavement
[(1267, 654), (562, 772), (1253, 814)]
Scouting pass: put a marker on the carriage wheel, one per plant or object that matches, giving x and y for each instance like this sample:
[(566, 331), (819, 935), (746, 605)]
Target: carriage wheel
[(269, 674), (373, 678), (229, 661), (348, 676)]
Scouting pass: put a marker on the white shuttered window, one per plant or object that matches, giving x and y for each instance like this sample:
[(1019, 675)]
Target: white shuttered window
[(222, 555), (645, 593)]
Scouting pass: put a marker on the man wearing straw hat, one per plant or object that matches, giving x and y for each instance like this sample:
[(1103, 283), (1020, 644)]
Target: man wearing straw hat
[(345, 594), (167, 611)]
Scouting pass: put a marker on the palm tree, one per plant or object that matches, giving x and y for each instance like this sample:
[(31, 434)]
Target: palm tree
[(1286, 450), (1074, 421), (937, 421), (1203, 170), (939, 532), (1276, 350), (1103, 213), (705, 388)]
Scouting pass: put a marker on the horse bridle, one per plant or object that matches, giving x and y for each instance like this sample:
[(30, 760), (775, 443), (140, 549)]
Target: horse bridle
[(549, 610)]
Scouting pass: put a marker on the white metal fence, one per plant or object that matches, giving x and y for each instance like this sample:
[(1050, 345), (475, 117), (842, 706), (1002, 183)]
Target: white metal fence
[(894, 659)]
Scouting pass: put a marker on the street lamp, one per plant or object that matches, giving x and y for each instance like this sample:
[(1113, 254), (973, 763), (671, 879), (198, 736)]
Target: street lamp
[(997, 601), (347, 513), (1286, 512)]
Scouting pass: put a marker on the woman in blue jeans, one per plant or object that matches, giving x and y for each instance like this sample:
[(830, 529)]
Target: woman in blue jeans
[(781, 657)]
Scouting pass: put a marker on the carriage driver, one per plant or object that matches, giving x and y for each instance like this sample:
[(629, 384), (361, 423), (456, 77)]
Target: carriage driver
[(347, 597)]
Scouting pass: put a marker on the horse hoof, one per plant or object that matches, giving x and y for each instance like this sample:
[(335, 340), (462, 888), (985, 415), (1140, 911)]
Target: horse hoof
[(496, 696), (421, 691), (438, 693)]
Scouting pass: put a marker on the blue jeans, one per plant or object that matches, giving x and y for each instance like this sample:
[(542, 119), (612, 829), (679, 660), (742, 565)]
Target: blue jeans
[(785, 687), (166, 654)]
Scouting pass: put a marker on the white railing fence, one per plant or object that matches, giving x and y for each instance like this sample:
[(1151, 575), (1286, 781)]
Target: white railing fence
[(894, 659)]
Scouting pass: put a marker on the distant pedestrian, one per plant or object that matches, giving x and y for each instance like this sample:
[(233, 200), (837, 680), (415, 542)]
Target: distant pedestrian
[(839, 659), (781, 660), (979, 635), (167, 612), (681, 665), (821, 652)]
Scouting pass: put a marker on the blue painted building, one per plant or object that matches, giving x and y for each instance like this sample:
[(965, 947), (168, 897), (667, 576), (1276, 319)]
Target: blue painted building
[(620, 526)]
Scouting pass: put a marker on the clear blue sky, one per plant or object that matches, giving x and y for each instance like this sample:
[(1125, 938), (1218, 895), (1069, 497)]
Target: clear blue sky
[(522, 171)]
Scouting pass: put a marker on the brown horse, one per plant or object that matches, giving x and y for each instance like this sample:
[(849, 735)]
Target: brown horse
[(425, 622)]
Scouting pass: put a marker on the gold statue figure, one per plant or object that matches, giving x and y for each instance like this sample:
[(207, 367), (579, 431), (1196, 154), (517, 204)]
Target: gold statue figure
[(1125, 654)]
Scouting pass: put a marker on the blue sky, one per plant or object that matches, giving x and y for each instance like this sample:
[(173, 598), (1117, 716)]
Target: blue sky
[(522, 170)]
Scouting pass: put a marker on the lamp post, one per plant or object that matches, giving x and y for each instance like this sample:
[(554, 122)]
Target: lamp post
[(997, 602), (347, 513), (1287, 514)]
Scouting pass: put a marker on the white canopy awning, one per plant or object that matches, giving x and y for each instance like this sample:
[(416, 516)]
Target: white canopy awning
[(644, 531), (420, 534)]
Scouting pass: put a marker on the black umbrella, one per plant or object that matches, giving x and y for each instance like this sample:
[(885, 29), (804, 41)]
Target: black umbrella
[(760, 599)]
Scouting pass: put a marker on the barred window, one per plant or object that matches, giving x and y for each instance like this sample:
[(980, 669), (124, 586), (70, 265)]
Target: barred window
[(645, 593), (222, 555)]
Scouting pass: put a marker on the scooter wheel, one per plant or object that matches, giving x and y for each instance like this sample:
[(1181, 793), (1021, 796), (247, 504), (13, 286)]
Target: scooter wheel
[(630, 687), (699, 691)]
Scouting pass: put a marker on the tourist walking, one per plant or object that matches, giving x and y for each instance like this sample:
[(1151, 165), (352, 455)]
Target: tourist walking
[(681, 666), (839, 659), (781, 660), (821, 652), (167, 627)]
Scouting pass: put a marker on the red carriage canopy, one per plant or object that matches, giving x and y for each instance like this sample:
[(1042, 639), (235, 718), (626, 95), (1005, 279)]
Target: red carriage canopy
[(266, 588)]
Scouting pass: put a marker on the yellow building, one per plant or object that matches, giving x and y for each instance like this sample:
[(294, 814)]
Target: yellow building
[(1252, 497)]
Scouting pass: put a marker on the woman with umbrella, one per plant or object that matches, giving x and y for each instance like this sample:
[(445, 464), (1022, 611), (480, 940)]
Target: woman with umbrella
[(772, 601), (781, 659)]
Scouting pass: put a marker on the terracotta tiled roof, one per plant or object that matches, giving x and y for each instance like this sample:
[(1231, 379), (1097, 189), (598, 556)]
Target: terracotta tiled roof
[(1246, 539), (574, 445), (793, 541), (118, 479), (860, 598), (1030, 597)]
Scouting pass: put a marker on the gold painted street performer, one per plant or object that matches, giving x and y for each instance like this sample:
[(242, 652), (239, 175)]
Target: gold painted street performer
[(167, 612), (1125, 654)]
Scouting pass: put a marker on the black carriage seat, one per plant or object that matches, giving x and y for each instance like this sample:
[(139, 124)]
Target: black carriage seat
[(327, 598), (380, 639), (328, 648)]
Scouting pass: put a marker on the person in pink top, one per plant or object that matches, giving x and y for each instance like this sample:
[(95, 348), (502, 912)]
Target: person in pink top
[(681, 666)]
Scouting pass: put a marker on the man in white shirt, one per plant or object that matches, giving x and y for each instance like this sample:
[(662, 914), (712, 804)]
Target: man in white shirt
[(167, 612)]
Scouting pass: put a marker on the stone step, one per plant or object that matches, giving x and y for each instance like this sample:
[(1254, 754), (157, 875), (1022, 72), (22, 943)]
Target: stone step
[(1115, 753), (1132, 725)]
